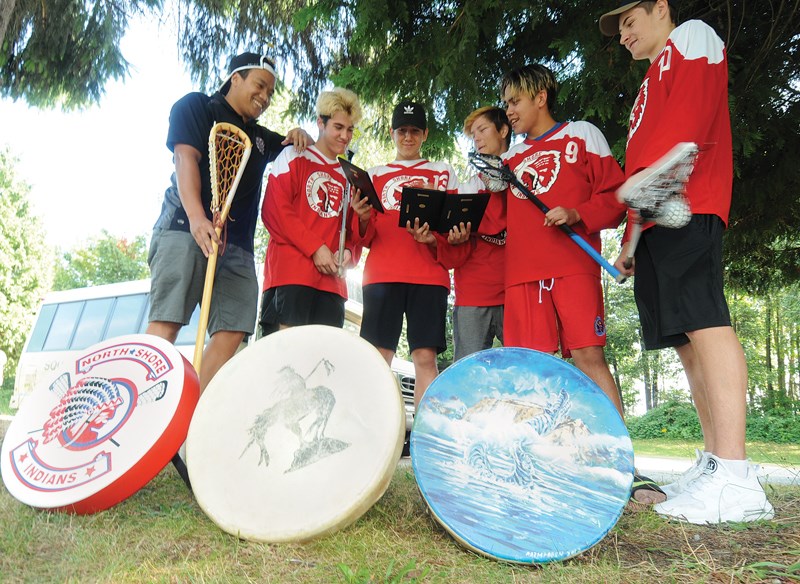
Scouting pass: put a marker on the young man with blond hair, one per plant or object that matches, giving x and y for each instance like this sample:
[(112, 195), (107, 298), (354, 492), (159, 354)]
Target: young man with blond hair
[(302, 209), (679, 275)]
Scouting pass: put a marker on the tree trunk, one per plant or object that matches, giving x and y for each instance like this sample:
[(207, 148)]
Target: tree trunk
[(769, 397), (5, 17), (644, 361), (781, 397)]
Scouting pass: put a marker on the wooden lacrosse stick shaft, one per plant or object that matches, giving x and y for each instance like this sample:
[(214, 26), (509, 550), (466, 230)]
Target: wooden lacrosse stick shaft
[(343, 230), (208, 286)]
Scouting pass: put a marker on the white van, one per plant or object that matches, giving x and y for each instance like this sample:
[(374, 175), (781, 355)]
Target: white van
[(70, 320)]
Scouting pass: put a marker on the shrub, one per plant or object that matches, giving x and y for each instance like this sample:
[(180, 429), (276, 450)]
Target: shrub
[(674, 420), (677, 420)]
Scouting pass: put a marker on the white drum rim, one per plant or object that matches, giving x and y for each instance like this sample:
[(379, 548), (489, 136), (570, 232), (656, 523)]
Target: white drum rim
[(382, 473)]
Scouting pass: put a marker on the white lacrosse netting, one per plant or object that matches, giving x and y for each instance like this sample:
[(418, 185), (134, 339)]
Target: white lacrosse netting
[(657, 193)]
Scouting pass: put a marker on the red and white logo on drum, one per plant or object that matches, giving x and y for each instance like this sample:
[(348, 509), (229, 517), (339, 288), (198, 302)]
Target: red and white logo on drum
[(538, 172), (89, 412)]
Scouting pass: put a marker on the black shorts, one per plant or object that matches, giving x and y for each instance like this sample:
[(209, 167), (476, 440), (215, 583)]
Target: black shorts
[(679, 283), (425, 308), (295, 305)]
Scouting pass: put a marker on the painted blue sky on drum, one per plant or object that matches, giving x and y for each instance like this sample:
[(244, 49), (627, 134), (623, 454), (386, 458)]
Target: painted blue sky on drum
[(106, 167)]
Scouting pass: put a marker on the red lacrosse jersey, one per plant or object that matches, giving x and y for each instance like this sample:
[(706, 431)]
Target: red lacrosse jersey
[(684, 98), (394, 256), (569, 166), (302, 211), (480, 280)]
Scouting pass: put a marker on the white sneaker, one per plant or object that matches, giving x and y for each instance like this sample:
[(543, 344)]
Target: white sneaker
[(674, 489), (719, 496)]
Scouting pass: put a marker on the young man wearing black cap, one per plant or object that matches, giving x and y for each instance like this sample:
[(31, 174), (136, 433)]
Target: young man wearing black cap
[(183, 234), (679, 282), (406, 273)]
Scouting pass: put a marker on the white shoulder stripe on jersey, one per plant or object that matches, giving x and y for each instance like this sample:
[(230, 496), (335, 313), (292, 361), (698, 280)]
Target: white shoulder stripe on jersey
[(694, 39), (593, 138)]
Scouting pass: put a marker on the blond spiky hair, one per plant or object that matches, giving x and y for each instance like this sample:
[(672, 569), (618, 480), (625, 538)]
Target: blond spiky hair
[(339, 99)]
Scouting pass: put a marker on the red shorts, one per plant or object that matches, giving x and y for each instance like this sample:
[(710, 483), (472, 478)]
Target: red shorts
[(566, 312)]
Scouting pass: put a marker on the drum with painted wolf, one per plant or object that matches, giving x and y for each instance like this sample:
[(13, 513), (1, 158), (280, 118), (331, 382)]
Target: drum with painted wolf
[(101, 426), (520, 456), (296, 436)]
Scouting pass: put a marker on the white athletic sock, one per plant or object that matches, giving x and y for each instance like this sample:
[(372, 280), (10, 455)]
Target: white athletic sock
[(736, 467)]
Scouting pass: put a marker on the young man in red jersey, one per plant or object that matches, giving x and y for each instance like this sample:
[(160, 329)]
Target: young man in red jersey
[(679, 276), (405, 272), (554, 296), (480, 281), (302, 211)]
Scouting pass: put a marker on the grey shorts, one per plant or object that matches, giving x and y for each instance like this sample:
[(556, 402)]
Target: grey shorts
[(177, 275), (475, 328)]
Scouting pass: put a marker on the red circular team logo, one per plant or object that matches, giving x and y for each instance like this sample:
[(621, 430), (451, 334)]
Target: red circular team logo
[(324, 194), (102, 428), (538, 172)]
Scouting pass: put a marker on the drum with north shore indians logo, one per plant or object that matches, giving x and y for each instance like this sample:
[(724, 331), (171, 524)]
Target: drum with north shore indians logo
[(296, 436), (101, 427), (520, 456)]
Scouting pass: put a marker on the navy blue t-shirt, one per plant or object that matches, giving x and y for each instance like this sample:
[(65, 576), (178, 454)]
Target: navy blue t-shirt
[(190, 122)]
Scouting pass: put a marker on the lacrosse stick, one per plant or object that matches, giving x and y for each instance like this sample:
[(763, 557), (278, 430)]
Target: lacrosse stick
[(494, 168), (228, 152), (351, 152), (657, 193)]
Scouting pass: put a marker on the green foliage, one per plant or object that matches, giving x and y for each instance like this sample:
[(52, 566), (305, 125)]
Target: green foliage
[(24, 269), (676, 420), (103, 260), (673, 420), (63, 52), (780, 427)]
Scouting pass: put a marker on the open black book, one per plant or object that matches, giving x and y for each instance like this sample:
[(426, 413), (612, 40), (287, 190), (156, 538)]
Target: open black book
[(440, 210), (359, 178)]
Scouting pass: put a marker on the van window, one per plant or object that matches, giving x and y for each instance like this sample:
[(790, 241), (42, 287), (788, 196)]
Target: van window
[(127, 316), (63, 326), (39, 333), (92, 323)]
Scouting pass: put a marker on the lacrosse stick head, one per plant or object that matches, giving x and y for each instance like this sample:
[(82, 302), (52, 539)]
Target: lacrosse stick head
[(492, 171), (674, 213), (649, 191), (228, 150)]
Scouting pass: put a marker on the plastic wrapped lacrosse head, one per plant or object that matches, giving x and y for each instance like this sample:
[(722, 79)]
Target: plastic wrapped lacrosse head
[(490, 170), (674, 213), (493, 184)]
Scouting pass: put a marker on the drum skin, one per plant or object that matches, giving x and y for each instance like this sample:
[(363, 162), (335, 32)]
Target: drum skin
[(520, 456), (296, 436), (102, 427)]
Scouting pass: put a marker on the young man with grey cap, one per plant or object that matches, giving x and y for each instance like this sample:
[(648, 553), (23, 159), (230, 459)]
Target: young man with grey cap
[(679, 275), (183, 234), (406, 269)]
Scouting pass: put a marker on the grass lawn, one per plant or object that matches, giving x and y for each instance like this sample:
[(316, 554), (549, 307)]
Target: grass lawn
[(161, 535), (758, 452)]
